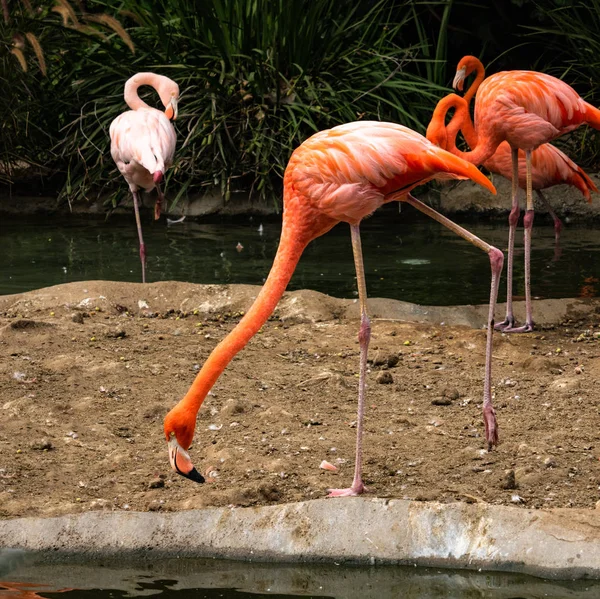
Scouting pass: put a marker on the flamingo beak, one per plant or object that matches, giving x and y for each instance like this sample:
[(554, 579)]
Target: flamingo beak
[(181, 462), (459, 78), (171, 110)]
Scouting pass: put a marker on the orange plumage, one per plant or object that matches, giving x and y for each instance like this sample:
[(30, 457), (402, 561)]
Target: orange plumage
[(516, 112), (342, 174)]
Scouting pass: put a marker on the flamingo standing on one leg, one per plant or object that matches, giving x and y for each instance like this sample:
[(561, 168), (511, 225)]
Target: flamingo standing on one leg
[(342, 174), (525, 109), (142, 142)]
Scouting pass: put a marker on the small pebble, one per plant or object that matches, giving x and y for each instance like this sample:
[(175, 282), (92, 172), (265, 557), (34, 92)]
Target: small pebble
[(509, 481), (325, 465), (44, 444), (156, 483), (385, 378)]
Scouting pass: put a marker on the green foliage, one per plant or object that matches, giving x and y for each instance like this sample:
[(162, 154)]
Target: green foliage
[(257, 78)]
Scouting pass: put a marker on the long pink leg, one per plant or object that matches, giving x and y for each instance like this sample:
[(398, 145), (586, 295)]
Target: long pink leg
[(364, 336), (513, 219), (528, 226), (557, 224), (496, 263), (139, 230)]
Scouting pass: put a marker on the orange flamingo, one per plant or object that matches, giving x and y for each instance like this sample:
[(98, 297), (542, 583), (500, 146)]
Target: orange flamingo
[(142, 142), (549, 166), (341, 174), (525, 109)]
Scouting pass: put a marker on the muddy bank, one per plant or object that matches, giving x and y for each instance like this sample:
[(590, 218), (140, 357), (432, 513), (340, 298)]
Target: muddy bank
[(91, 369)]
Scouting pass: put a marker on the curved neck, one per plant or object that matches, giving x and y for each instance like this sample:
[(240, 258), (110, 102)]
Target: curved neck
[(131, 90), (291, 246), (479, 77)]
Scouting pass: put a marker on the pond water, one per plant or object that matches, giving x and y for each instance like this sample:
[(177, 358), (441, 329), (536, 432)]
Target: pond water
[(197, 579), (407, 256)]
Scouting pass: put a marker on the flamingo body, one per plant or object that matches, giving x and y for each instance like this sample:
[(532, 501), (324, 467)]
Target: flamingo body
[(527, 109), (342, 174), (549, 167), (142, 144)]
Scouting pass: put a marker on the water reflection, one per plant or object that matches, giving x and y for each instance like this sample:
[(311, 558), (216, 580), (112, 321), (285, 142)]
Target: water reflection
[(182, 578), (407, 256)]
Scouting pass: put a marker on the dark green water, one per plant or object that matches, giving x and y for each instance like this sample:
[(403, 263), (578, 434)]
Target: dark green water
[(407, 257), (197, 579)]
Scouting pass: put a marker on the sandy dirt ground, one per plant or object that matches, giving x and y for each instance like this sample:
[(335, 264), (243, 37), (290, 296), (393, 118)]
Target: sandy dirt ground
[(88, 371)]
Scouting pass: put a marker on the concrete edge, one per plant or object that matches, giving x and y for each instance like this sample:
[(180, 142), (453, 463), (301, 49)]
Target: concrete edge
[(558, 544)]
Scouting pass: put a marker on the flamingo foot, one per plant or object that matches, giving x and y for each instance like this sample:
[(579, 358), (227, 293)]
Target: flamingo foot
[(526, 328), (491, 427), (507, 323), (353, 491)]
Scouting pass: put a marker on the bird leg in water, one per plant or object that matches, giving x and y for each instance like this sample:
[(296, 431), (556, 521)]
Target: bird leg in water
[(496, 262), (513, 219), (364, 336), (528, 227), (138, 222), (159, 202), (557, 224)]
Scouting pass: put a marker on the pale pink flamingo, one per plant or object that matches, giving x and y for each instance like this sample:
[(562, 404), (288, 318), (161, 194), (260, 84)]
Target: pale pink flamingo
[(525, 109), (142, 142), (342, 174)]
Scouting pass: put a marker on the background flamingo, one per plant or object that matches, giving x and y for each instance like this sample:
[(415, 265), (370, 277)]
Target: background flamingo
[(142, 142), (549, 166), (526, 109), (342, 174)]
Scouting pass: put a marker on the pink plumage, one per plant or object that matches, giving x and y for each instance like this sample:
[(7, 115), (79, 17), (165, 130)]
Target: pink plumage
[(142, 142)]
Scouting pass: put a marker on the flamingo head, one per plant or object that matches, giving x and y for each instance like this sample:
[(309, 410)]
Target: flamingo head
[(179, 433), (465, 67), (168, 91), (171, 109)]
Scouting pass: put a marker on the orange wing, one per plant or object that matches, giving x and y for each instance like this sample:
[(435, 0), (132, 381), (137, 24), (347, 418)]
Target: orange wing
[(549, 165), (349, 171)]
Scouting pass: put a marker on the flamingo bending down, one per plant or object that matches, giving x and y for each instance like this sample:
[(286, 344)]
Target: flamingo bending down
[(342, 174), (142, 142), (525, 109)]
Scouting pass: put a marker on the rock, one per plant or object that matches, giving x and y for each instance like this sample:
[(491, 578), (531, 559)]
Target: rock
[(565, 384), (540, 364), (509, 481), (451, 393), (117, 333), (235, 406), (385, 378), (77, 317), (156, 483), (43, 444), (392, 360), (441, 401), (550, 462)]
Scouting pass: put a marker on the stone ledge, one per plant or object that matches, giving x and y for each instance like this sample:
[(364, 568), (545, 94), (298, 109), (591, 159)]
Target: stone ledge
[(561, 543)]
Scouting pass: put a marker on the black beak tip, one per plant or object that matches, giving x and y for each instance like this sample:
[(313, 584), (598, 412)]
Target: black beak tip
[(194, 475)]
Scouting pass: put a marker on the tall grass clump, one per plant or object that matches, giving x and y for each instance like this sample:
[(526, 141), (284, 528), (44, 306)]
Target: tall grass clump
[(257, 78)]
